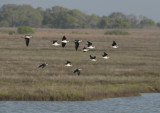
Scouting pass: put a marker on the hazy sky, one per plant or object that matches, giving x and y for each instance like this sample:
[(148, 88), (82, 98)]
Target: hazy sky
[(148, 8)]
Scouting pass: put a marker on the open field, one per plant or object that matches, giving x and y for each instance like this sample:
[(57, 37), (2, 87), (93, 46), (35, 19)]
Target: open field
[(132, 69)]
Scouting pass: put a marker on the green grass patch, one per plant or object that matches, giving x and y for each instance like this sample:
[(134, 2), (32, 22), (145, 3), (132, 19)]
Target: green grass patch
[(10, 32), (77, 32), (116, 32)]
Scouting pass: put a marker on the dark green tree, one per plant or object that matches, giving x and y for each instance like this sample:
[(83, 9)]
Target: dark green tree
[(158, 24), (147, 22), (58, 17), (21, 15)]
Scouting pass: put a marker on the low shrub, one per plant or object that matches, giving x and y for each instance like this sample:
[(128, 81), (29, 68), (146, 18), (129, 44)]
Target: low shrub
[(11, 32), (24, 30)]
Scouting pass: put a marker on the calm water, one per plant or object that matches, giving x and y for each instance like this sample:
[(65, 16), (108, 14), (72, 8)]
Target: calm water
[(147, 103)]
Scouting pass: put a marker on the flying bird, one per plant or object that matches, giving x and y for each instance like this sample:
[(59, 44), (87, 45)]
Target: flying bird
[(114, 44), (55, 43), (64, 41), (85, 49), (27, 39), (42, 65), (105, 56), (77, 44), (90, 45), (68, 63), (77, 71), (93, 58)]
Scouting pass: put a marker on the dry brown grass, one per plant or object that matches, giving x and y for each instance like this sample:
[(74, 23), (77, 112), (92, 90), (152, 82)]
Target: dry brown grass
[(132, 69)]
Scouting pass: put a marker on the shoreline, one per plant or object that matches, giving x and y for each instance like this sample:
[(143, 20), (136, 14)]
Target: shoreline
[(26, 97)]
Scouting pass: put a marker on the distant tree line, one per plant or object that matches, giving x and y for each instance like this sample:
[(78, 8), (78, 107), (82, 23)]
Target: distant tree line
[(12, 15)]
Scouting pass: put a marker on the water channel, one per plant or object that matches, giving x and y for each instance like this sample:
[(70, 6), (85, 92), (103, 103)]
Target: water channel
[(146, 103)]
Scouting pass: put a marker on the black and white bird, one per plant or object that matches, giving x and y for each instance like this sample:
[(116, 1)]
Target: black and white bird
[(27, 39), (105, 56), (77, 44), (42, 65), (77, 71), (64, 41), (55, 43), (68, 63), (114, 44), (85, 49), (90, 45), (93, 58)]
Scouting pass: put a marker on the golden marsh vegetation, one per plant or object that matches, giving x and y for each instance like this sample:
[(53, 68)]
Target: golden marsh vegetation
[(133, 68)]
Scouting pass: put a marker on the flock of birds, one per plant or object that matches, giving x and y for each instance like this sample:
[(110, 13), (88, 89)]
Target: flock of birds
[(77, 42)]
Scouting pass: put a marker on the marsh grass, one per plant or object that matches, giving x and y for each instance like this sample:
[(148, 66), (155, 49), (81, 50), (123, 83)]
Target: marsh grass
[(116, 32), (132, 69)]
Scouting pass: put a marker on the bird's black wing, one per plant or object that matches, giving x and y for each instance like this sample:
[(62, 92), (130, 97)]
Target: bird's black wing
[(114, 43), (105, 54), (27, 41), (40, 65), (63, 44), (44, 65), (89, 43), (54, 41), (68, 62), (64, 38), (76, 45), (75, 70), (91, 57), (78, 72), (76, 41), (84, 48)]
